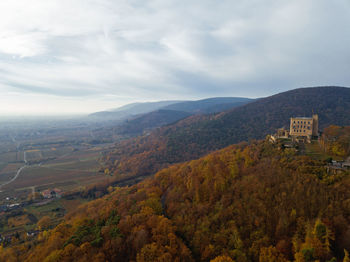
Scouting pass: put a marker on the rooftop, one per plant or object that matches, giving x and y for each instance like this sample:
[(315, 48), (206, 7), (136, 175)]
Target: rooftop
[(301, 117)]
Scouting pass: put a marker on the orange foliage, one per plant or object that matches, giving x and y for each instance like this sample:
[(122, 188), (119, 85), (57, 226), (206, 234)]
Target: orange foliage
[(243, 203)]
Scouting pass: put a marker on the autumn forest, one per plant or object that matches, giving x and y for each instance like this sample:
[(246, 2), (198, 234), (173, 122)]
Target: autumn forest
[(247, 202)]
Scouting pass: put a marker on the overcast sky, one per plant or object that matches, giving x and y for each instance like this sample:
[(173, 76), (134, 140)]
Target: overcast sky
[(81, 56)]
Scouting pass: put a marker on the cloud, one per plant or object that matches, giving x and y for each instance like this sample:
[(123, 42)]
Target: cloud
[(95, 50)]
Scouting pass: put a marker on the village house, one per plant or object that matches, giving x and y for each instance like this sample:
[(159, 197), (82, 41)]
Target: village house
[(52, 193), (33, 233)]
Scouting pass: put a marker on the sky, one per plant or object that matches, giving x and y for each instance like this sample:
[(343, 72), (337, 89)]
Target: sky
[(81, 56)]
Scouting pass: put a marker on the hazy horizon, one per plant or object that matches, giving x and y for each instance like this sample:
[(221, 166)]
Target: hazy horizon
[(67, 58), (74, 115)]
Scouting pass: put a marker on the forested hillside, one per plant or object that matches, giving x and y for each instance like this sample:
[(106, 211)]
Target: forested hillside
[(198, 135), (150, 121), (257, 202)]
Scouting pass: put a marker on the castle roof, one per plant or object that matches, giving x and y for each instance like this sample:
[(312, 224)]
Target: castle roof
[(302, 117)]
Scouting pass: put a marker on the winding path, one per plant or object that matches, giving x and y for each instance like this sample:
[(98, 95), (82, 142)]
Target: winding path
[(14, 178), (18, 171)]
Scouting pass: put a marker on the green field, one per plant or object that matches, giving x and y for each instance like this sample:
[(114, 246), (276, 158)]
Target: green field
[(314, 150), (11, 157), (46, 153), (28, 218), (2, 165), (44, 209)]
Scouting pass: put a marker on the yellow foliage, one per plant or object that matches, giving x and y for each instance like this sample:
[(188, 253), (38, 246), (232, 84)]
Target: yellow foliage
[(44, 223), (271, 254), (18, 221), (148, 253), (222, 259), (54, 256)]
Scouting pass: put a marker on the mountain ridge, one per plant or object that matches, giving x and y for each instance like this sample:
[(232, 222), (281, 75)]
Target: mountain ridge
[(193, 106), (197, 135), (208, 105), (133, 109), (167, 115)]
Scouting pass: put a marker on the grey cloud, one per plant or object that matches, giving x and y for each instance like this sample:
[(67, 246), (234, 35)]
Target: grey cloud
[(173, 50)]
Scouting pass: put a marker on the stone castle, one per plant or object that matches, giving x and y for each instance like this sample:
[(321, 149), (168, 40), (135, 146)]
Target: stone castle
[(301, 129), (304, 126)]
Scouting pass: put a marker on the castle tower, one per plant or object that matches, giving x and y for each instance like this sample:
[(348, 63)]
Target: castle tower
[(315, 125)]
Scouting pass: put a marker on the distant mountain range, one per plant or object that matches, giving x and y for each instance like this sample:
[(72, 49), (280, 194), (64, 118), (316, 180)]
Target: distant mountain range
[(206, 106), (136, 125), (132, 109), (137, 118), (197, 135)]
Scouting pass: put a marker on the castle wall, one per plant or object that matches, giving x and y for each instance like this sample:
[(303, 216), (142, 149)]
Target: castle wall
[(304, 126), (301, 126)]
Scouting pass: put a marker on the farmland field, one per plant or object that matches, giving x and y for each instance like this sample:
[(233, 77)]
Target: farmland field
[(35, 156), (71, 170), (41, 156)]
